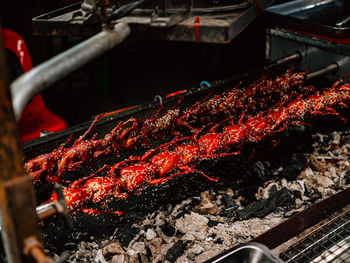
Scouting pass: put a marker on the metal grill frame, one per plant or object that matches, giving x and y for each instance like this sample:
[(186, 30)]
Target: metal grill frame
[(329, 242)]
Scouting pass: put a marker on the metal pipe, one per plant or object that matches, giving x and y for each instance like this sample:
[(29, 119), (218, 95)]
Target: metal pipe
[(56, 68), (257, 71), (329, 69), (288, 59), (49, 209)]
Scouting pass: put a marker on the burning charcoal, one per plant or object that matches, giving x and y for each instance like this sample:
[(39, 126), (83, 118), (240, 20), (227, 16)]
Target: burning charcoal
[(268, 191), (245, 201), (195, 251), (347, 177), (70, 246), (264, 206), (316, 164), (188, 238), (218, 241), (259, 170), (297, 186), (306, 191), (166, 209), (248, 193), (259, 209), (345, 139), (212, 223), (139, 247), (336, 138), (314, 195), (118, 259), (181, 209), (138, 258), (126, 234), (175, 251), (150, 234), (297, 194), (206, 207), (148, 252), (155, 246), (113, 248), (298, 203), (99, 257), (168, 230), (210, 237), (228, 201), (148, 225), (272, 189), (194, 224), (323, 181), (229, 213), (294, 166)]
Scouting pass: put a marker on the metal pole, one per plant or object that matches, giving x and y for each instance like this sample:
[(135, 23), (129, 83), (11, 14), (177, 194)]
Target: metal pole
[(329, 69), (56, 68), (20, 232)]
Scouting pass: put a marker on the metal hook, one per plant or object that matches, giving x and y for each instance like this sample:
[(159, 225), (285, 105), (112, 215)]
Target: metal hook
[(205, 84), (158, 97)]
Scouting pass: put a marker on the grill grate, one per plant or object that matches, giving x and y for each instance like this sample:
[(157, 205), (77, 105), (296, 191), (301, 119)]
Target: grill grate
[(328, 243)]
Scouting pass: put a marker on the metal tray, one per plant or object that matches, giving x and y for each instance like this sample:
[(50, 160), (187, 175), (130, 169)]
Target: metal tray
[(325, 17), (217, 24), (247, 253)]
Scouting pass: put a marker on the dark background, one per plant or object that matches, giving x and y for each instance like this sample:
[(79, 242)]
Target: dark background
[(133, 73)]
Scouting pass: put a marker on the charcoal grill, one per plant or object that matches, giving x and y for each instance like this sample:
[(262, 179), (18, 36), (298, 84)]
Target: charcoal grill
[(136, 206)]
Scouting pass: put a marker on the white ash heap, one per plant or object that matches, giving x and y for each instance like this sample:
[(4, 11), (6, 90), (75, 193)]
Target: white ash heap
[(201, 227)]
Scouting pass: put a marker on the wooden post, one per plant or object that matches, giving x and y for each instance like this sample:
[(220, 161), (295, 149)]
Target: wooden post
[(19, 231)]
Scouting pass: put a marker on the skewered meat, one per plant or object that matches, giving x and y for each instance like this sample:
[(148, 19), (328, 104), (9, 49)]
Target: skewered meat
[(181, 156)]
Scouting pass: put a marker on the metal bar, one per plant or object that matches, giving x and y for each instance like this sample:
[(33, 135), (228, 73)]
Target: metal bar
[(46, 210), (256, 72), (326, 242), (288, 59), (329, 69), (20, 232), (56, 68)]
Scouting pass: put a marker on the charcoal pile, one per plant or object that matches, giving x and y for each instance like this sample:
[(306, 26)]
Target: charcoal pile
[(200, 227)]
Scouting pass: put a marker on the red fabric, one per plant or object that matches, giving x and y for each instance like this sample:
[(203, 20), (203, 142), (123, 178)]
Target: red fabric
[(196, 26), (35, 117)]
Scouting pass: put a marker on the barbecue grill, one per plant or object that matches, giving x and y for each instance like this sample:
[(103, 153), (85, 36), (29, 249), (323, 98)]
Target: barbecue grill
[(219, 23)]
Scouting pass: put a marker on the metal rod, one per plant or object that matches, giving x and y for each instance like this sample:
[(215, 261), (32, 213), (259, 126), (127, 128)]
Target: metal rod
[(254, 73), (294, 57), (46, 210), (56, 68), (17, 199), (329, 69)]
